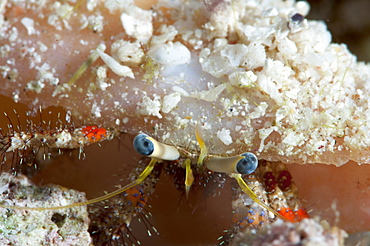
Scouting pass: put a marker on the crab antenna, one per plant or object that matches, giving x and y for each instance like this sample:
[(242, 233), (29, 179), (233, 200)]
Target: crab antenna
[(253, 195), (139, 180)]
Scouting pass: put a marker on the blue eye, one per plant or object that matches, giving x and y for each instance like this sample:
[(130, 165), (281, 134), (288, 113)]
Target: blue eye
[(241, 164), (248, 164), (143, 145)]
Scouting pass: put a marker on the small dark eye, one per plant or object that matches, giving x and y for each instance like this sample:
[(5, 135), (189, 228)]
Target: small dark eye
[(298, 18), (143, 145), (248, 164)]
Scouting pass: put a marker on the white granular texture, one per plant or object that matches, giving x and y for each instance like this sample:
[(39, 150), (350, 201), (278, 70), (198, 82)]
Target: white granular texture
[(300, 97), (150, 106), (224, 136)]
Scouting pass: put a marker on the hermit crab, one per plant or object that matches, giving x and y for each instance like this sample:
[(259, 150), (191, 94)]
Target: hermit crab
[(206, 81)]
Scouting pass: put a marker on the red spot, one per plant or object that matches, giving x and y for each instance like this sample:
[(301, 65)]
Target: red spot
[(288, 214), (294, 216), (320, 147), (270, 181), (94, 133), (284, 180)]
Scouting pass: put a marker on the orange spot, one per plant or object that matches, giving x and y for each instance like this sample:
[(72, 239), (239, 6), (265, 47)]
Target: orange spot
[(302, 214), (94, 133), (288, 214), (294, 216)]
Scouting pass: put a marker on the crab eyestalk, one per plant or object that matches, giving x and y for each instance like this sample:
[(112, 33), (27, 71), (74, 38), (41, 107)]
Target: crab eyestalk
[(241, 164), (150, 147)]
